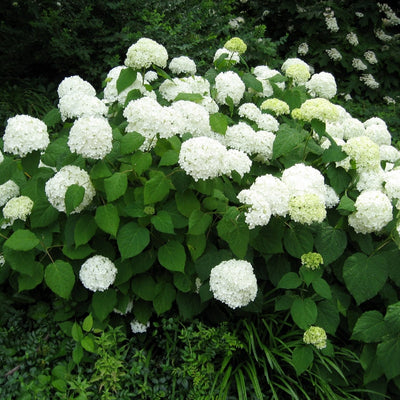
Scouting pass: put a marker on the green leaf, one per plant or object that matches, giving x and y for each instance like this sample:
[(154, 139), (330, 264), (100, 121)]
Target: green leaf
[(87, 324), (346, 206), (60, 278), (365, 276), (164, 298), (302, 357), (163, 222), (182, 282), (77, 253), (133, 94), (85, 229), (170, 157), (103, 303), (100, 170), (298, 240), (388, 354), (189, 305), (131, 142), (73, 197), (290, 280), (304, 312), (286, 140), (319, 127), (330, 242), (186, 202), (370, 327), (339, 179), (22, 240), (195, 97), (144, 287), (333, 154), (392, 317), (107, 218), (43, 214), (141, 162), (29, 282), (132, 239), (199, 222), (52, 118), (322, 288), (161, 72), (172, 256), (196, 245), (328, 316), (88, 343), (126, 78), (309, 275), (219, 123), (252, 82), (115, 186), (30, 162), (76, 332), (77, 353), (156, 188)]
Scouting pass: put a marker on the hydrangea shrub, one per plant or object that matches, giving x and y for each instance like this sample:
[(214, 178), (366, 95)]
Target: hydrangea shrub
[(205, 194)]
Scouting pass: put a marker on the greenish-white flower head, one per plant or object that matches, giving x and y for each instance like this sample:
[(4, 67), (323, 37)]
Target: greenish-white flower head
[(17, 208), (279, 107), (299, 73), (316, 336), (236, 45), (363, 151), (144, 53), (307, 208), (312, 260), (318, 108)]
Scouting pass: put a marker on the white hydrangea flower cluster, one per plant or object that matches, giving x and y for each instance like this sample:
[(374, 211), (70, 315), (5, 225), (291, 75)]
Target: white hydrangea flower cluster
[(379, 134), (25, 134), (334, 54), (170, 89), (316, 336), (363, 151), (392, 184), (244, 138), (236, 44), (144, 53), (302, 49), (111, 93), (277, 106), (370, 57), (352, 38), (299, 73), (318, 108), (381, 35), (8, 190), (57, 186), (17, 208), (374, 212), (229, 84), (91, 137), (205, 158), (391, 18), (97, 273), (369, 81), (358, 64), (264, 121), (389, 153), (75, 84), (233, 283), (387, 99), (263, 73), (182, 65), (322, 85), (138, 327), (249, 111), (330, 20), (307, 208), (294, 61), (231, 56)]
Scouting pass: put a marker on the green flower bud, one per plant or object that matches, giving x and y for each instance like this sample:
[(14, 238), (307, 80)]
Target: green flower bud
[(315, 336), (236, 45), (312, 260)]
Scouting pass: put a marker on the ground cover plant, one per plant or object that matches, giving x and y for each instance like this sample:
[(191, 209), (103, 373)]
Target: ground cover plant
[(245, 199)]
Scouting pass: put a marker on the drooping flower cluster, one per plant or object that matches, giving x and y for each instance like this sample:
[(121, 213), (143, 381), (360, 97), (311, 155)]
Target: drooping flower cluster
[(330, 20), (358, 64), (334, 54), (316, 336), (370, 57), (233, 282), (369, 81), (352, 38), (57, 186), (144, 53), (302, 49), (25, 134), (97, 273)]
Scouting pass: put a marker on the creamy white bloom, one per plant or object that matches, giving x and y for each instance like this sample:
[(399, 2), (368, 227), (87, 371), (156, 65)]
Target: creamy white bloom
[(358, 64), (57, 186), (91, 137), (144, 53), (352, 127), (76, 105), (369, 81), (379, 134), (315, 336), (322, 85), (331, 22), (182, 65), (236, 160), (229, 84), (370, 179), (75, 84), (374, 212), (8, 190), (263, 73), (294, 61), (374, 121), (318, 108), (279, 107), (231, 56), (302, 49), (370, 57), (392, 184), (389, 100), (150, 76), (334, 54), (389, 153), (249, 111), (138, 327), (17, 208), (307, 208), (233, 282), (352, 38), (381, 35), (363, 151), (24, 134), (97, 273)]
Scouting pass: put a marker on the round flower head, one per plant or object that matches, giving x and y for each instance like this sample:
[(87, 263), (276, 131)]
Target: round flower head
[(379, 134), (389, 153), (231, 56), (233, 282), (75, 84), (392, 184), (17, 208), (8, 190), (236, 160), (279, 107), (363, 151), (374, 121), (182, 65), (322, 85), (299, 73), (57, 186), (229, 84), (374, 212), (249, 111), (236, 45), (318, 108), (352, 127), (307, 208), (315, 336), (24, 134), (138, 327), (97, 273), (150, 76), (144, 53), (294, 61), (312, 260), (91, 137), (75, 105)]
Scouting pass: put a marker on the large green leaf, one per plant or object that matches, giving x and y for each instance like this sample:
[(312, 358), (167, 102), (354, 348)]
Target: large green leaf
[(388, 354), (328, 316), (126, 78), (165, 297), (302, 357), (103, 303), (22, 240), (132, 239), (219, 123), (60, 278), (364, 276), (85, 229), (330, 242), (298, 240), (29, 282), (286, 140), (290, 280), (163, 222), (156, 188), (199, 222), (131, 142), (392, 317), (304, 312), (43, 214), (172, 256), (107, 218), (370, 327), (116, 185), (186, 202), (73, 197), (144, 286)]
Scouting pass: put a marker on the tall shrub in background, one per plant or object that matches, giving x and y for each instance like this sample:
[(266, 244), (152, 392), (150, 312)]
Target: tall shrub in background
[(244, 191)]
